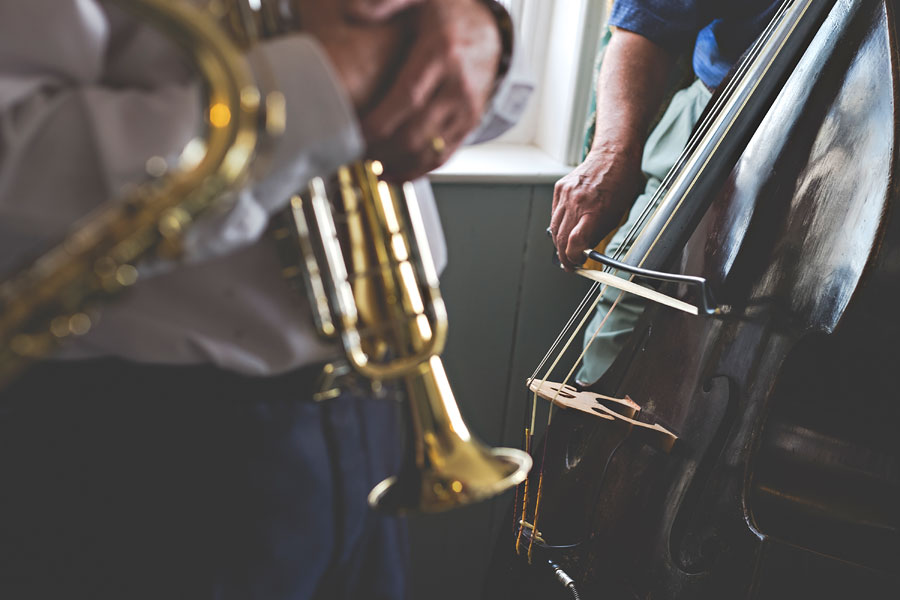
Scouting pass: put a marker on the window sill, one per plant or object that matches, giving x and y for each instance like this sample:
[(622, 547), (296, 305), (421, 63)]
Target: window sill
[(500, 163)]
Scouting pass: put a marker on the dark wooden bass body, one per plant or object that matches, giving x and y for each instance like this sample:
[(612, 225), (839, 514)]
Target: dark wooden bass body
[(785, 482)]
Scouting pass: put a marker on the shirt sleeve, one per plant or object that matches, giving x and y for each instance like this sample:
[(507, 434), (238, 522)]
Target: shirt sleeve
[(322, 134), (77, 125), (672, 24)]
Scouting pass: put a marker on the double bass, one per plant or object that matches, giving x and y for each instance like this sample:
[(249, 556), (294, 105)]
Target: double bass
[(749, 448)]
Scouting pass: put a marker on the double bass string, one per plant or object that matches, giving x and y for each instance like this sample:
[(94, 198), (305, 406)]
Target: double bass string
[(636, 230), (705, 125), (537, 503), (653, 206), (578, 309), (717, 114), (692, 146), (761, 42), (650, 209), (685, 156)]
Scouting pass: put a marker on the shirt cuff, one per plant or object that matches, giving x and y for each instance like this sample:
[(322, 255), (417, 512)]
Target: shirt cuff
[(321, 134), (321, 129)]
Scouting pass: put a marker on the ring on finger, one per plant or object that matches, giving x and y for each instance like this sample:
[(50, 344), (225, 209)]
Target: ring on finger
[(438, 144)]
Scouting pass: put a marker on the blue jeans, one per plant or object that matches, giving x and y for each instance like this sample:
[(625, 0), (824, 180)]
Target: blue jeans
[(122, 481)]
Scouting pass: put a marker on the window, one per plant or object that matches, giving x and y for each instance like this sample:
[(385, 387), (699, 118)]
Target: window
[(513, 6), (559, 40)]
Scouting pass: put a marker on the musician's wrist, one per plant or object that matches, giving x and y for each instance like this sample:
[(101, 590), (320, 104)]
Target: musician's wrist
[(626, 151)]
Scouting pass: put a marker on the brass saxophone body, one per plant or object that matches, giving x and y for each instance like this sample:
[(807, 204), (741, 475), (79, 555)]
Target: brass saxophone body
[(51, 299), (359, 243)]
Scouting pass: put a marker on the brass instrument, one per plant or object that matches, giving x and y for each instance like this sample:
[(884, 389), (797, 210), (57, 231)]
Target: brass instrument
[(380, 296), (50, 300), (361, 247)]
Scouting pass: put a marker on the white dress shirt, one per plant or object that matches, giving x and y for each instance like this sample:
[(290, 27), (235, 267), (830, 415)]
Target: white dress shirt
[(88, 94)]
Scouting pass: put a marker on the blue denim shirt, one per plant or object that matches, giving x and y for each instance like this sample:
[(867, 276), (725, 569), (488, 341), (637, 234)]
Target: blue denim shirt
[(719, 30)]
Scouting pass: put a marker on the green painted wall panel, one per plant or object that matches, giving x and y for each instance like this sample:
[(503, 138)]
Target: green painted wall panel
[(506, 301)]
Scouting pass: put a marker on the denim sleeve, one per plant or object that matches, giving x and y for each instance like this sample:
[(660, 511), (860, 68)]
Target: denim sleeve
[(672, 24)]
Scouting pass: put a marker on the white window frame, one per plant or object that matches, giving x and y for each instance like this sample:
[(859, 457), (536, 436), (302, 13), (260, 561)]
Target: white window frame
[(559, 39)]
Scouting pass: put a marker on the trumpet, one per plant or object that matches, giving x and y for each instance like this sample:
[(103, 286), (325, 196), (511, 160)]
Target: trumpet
[(360, 246), (51, 299), (381, 297)]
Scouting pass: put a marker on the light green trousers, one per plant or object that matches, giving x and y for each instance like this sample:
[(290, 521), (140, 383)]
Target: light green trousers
[(661, 151)]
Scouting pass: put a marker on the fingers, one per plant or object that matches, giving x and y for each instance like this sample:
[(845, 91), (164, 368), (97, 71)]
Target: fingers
[(580, 239), (425, 141), (383, 46), (439, 93), (577, 224), (423, 106), (376, 10), (410, 93), (575, 234), (589, 202), (568, 222), (557, 231), (556, 213), (562, 222), (557, 192)]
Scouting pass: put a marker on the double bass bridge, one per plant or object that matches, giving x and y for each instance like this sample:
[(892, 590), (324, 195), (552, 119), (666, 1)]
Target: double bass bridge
[(622, 411)]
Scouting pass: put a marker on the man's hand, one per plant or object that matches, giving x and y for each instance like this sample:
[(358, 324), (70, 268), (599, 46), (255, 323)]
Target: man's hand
[(366, 56), (588, 203), (376, 10), (365, 79), (440, 92)]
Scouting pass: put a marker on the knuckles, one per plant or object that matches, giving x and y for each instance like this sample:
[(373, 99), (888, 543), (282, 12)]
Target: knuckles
[(416, 98), (411, 141)]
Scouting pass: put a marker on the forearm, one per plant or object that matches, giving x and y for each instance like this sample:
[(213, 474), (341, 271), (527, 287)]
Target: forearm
[(630, 90), (589, 201)]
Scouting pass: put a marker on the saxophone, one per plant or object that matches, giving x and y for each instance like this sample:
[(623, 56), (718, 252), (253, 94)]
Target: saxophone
[(357, 242), (53, 298)]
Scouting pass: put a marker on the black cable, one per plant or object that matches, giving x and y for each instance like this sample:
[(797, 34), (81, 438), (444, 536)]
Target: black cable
[(564, 579)]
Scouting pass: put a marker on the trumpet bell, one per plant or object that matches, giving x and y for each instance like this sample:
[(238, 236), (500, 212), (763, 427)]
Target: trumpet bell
[(471, 474), (370, 273), (447, 467)]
